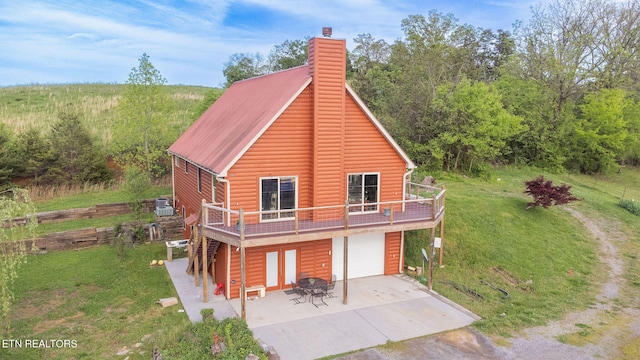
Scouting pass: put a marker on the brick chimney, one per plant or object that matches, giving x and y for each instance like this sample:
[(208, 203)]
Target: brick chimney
[(327, 66)]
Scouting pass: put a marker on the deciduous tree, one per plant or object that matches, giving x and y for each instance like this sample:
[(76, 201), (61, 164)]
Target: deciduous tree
[(14, 203), (600, 132), (288, 54), (145, 130), (244, 66)]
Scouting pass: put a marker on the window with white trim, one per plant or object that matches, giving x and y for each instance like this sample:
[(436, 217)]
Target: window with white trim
[(363, 192), (276, 194), (199, 180)]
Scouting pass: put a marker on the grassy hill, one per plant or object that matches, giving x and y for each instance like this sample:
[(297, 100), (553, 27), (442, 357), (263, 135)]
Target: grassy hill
[(37, 106)]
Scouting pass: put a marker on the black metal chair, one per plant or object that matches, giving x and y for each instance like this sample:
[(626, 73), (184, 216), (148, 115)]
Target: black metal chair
[(319, 292), (303, 275), (331, 286), (302, 294)]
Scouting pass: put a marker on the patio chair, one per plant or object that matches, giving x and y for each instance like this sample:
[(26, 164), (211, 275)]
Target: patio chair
[(303, 275), (331, 286), (319, 292), (300, 292)]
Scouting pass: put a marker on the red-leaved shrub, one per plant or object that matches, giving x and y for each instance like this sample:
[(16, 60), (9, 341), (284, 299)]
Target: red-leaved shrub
[(546, 194)]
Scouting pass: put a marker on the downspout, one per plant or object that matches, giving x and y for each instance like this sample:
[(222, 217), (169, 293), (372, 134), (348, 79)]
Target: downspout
[(213, 188), (173, 181), (227, 197)]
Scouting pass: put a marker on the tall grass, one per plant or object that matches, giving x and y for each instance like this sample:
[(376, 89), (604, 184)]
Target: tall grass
[(59, 197), (38, 106)]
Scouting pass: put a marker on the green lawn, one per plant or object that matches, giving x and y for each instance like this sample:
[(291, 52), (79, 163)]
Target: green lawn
[(94, 298)]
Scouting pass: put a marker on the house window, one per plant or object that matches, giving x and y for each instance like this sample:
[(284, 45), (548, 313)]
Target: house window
[(277, 194), (199, 180), (362, 192), (186, 167), (177, 161), (184, 219)]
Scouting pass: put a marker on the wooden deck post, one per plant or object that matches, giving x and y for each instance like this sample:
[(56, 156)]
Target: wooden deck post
[(243, 297), (430, 275), (433, 207), (345, 250), (205, 216), (196, 270), (442, 228), (204, 269), (441, 241)]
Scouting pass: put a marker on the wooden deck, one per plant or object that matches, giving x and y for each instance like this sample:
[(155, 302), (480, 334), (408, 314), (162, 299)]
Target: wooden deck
[(323, 222)]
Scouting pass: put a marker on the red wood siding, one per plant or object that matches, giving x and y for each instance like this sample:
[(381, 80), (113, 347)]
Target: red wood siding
[(186, 189), (392, 253), (315, 258), (283, 150), (220, 265), (366, 150), (311, 257)]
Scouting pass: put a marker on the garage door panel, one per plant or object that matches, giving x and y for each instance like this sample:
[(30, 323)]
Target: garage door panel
[(366, 255)]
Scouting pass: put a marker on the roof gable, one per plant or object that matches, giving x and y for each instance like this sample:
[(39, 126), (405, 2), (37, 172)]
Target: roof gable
[(380, 128), (244, 111)]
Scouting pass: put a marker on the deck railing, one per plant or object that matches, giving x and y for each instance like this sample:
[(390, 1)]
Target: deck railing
[(421, 203)]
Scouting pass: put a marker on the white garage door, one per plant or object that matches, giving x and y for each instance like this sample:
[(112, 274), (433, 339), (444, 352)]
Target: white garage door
[(366, 255)]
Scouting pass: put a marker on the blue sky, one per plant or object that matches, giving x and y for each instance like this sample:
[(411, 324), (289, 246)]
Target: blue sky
[(65, 41)]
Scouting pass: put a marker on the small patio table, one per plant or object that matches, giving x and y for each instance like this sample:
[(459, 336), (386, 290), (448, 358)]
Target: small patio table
[(315, 286)]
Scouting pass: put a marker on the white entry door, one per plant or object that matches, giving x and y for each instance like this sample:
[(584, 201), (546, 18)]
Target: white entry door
[(272, 268), (366, 255), (289, 268)]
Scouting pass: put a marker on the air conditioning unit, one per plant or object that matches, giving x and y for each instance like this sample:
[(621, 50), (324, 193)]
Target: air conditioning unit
[(163, 207)]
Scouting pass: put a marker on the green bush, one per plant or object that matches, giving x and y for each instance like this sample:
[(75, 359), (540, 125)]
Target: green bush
[(196, 343), (631, 205)]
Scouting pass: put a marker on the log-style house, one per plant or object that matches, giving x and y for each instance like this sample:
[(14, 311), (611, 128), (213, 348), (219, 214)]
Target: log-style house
[(288, 171)]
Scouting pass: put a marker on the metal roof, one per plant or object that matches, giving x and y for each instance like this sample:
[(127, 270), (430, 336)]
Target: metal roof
[(234, 122)]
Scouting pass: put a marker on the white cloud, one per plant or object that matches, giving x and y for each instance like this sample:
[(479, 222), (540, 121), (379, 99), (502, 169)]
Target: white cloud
[(189, 41)]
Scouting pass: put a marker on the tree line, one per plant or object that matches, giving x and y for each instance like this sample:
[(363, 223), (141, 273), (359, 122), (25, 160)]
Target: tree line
[(560, 92)]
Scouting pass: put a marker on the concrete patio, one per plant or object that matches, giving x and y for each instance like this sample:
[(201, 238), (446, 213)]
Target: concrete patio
[(379, 309)]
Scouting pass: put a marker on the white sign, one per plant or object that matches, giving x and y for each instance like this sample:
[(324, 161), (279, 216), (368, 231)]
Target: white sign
[(437, 242)]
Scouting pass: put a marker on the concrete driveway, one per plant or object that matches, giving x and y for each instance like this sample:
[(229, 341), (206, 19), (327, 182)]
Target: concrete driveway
[(379, 309)]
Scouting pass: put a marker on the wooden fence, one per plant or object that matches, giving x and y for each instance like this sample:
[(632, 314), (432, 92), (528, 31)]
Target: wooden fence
[(100, 210), (166, 227), (170, 228)]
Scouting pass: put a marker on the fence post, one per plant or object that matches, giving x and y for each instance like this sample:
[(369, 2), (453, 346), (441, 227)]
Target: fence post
[(433, 207)]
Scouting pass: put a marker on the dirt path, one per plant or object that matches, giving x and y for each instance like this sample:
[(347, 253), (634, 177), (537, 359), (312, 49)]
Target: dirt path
[(604, 328)]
